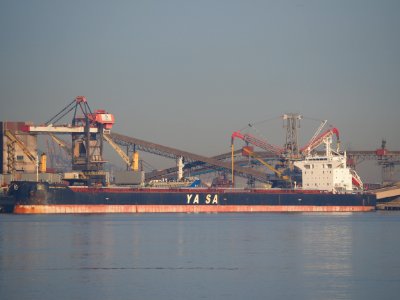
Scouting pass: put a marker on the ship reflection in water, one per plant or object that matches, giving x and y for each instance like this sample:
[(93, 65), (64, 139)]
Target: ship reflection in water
[(207, 256)]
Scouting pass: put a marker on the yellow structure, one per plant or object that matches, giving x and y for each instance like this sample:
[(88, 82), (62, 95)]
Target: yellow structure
[(135, 161), (43, 163)]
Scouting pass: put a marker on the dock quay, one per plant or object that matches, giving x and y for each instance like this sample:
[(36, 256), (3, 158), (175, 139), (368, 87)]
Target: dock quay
[(388, 198), (391, 205)]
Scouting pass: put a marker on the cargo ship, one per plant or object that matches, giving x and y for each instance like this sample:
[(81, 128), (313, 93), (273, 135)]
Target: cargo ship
[(327, 186), (322, 183), (45, 198)]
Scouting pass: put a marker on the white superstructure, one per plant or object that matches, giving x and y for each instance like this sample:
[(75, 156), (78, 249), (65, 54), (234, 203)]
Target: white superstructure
[(327, 172)]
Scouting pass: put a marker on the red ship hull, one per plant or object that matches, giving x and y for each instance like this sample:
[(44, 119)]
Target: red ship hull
[(98, 208)]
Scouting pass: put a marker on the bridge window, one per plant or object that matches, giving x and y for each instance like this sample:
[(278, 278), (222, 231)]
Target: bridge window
[(20, 157)]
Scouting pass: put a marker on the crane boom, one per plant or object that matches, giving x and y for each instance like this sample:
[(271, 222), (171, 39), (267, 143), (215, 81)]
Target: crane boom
[(318, 131), (119, 151), (59, 129), (277, 173), (319, 140), (248, 138)]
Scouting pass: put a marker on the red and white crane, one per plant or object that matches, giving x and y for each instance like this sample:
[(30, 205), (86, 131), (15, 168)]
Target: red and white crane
[(306, 153), (250, 139), (94, 121), (319, 140), (86, 129)]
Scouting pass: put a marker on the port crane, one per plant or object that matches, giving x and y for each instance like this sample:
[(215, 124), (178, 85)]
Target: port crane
[(87, 130), (132, 163)]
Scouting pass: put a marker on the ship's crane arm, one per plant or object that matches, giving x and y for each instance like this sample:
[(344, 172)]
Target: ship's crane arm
[(318, 131), (257, 157), (250, 139), (314, 143)]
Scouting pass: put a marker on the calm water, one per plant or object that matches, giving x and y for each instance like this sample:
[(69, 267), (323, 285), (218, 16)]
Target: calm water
[(200, 256)]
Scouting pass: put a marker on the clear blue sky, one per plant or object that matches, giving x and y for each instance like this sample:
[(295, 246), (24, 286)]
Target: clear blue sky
[(188, 73)]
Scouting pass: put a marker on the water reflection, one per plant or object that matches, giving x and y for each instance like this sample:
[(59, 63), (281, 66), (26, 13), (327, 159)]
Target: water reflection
[(179, 256), (327, 253)]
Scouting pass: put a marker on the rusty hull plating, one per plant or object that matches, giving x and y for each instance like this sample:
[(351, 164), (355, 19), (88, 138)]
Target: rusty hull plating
[(42, 198)]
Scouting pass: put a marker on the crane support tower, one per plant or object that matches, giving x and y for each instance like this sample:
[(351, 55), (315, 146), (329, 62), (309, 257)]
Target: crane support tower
[(87, 130), (292, 141)]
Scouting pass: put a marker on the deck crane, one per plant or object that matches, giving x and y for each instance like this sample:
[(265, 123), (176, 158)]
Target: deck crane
[(326, 138), (317, 132), (278, 173), (319, 140), (250, 139), (290, 156)]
